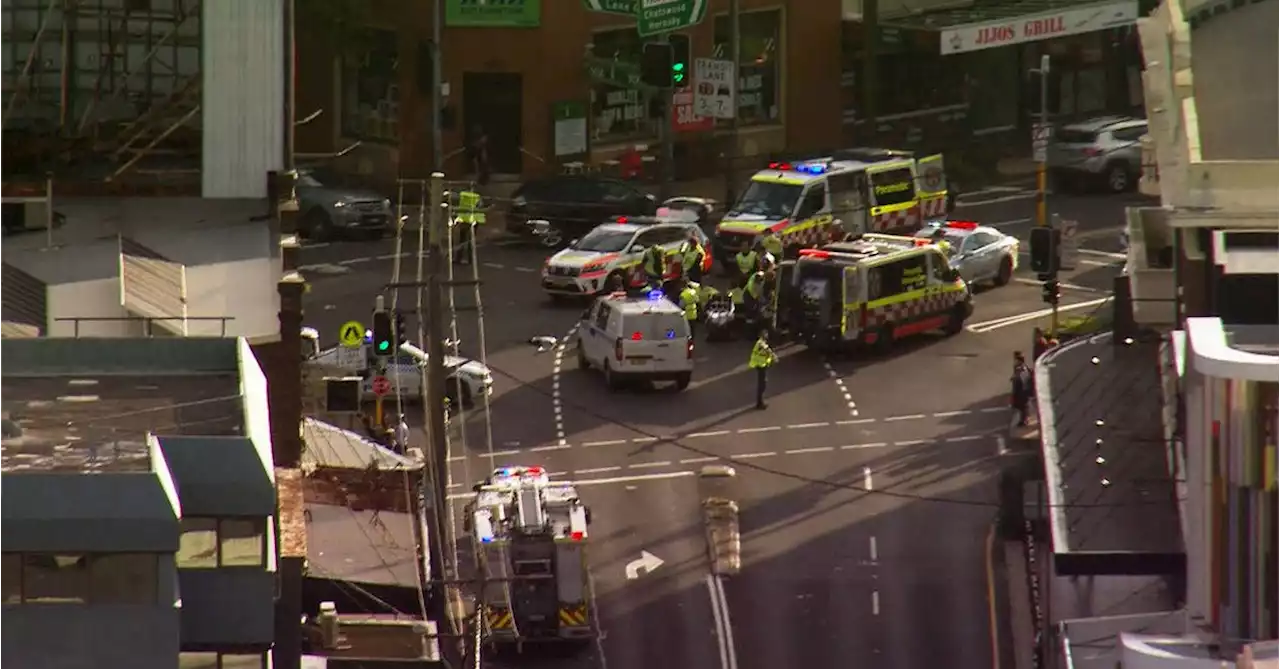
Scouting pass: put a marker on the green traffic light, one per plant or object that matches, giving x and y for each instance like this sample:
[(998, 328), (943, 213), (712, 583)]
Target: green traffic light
[(678, 67), (384, 345)]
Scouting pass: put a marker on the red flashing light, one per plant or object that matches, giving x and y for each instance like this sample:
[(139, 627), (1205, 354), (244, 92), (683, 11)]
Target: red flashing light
[(577, 536), (814, 253), (962, 225), (780, 166), (621, 219), (921, 242), (688, 350), (777, 227), (536, 471), (636, 336)]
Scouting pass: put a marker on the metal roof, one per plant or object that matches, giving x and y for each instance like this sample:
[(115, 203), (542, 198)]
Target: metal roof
[(220, 476)]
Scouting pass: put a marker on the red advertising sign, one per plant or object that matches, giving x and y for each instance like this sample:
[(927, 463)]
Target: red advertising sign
[(682, 117)]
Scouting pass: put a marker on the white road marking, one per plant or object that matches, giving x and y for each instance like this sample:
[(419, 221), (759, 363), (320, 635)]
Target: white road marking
[(805, 426), (816, 449), (857, 447), (353, 261), (644, 440), (528, 270), (714, 433), (914, 416), (597, 470), (495, 265), (720, 615), (694, 461), (913, 442), (859, 421), (988, 326), (388, 256), (866, 478), (754, 430), (1001, 447), (875, 602), (841, 388), (875, 551), (949, 414), (556, 402), (645, 465), (1104, 254), (509, 452), (314, 245), (635, 478), (749, 456), (607, 442), (994, 409), (998, 200), (971, 437), (553, 447), (1062, 284)]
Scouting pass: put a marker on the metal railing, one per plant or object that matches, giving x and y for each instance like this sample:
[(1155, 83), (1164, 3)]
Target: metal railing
[(147, 321)]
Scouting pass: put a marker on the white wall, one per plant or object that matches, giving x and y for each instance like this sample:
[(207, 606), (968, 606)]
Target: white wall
[(245, 289), (244, 95), (93, 298)]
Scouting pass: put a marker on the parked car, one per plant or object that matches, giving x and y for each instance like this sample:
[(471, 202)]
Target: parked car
[(572, 205), (1099, 152), (330, 211)]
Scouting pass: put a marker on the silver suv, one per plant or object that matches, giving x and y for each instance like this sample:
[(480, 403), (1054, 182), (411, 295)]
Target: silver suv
[(1102, 151)]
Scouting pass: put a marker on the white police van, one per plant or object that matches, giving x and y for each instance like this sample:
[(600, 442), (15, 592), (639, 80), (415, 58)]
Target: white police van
[(636, 339)]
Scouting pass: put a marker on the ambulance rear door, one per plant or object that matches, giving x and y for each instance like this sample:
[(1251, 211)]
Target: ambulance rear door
[(852, 298), (931, 184), (784, 293), (848, 200)]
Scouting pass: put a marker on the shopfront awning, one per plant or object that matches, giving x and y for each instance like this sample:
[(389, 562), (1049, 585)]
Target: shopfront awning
[(995, 24)]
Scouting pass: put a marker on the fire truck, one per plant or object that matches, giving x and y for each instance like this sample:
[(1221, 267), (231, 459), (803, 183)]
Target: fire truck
[(530, 539)]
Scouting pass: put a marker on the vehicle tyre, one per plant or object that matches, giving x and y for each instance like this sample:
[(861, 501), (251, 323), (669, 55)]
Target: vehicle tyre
[(1005, 273), (316, 226), (683, 380), (610, 380), (1118, 179), (554, 237), (583, 363), (956, 322)]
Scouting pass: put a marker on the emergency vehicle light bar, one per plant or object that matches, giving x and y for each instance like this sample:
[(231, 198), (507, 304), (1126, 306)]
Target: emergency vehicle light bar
[(812, 168), (962, 225), (786, 167), (655, 296), (620, 219), (814, 253)]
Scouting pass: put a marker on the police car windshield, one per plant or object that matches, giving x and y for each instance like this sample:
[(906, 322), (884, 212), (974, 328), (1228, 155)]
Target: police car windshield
[(768, 198), (604, 241)]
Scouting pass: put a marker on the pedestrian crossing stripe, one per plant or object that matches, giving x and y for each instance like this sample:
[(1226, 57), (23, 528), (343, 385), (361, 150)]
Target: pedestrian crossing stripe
[(499, 619), (574, 616)]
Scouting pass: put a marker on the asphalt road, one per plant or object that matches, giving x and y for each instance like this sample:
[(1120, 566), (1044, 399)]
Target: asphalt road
[(834, 574)]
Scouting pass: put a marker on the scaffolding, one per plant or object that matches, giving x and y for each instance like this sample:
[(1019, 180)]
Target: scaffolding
[(101, 90)]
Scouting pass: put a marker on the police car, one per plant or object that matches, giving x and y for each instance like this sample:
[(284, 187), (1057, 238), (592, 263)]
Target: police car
[(615, 249), (980, 252), (643, 339)]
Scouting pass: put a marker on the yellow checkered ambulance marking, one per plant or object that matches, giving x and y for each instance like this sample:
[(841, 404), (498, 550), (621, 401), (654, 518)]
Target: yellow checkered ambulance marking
[(574, 616), (499, 619)]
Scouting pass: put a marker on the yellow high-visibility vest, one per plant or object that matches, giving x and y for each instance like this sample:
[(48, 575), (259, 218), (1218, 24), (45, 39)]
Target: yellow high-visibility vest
[(469, 208)]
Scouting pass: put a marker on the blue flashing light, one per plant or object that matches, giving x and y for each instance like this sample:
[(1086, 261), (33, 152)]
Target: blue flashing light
[(486, 540), (671, 334), (655, 295), (812, 168)]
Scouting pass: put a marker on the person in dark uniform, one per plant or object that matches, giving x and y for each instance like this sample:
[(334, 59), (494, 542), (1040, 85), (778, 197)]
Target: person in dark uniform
[(1022, 388)]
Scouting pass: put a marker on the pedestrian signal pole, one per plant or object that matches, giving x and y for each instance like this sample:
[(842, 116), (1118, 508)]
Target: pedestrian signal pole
[(382, 345), (1040, 141)]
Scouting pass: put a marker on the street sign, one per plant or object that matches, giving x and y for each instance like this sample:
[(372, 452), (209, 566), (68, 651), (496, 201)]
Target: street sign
[(654, 17), (1040, 135), (1069, 244), (683, 118), (625, 7), (715, 84), (351, 334), (381, 385)]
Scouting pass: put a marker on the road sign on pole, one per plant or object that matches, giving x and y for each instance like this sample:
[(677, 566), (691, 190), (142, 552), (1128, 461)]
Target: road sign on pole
[(381, 386), (1040, 135), (625, 7), (654, 17), (715, 84), (351, 334), (1069, 246)]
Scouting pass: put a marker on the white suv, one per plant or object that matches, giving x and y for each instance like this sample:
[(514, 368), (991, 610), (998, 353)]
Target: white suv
[(642, 339)]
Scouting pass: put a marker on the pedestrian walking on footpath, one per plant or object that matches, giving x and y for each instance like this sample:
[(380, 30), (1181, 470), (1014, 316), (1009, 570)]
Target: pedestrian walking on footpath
[(762, 358), (1022, 383)]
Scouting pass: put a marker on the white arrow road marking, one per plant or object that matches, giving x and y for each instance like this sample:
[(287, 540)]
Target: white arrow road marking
[(646, 564)]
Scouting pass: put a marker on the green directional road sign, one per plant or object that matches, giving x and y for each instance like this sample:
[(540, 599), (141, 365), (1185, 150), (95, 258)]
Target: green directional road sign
[(625, 7), (654, 17)]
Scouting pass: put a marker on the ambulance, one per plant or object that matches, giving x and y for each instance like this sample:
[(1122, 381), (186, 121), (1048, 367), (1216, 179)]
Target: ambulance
[(819, 200), (871, 291)]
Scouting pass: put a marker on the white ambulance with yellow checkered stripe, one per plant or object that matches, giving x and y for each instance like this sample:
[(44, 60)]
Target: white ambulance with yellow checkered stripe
[(819, 200), (871, 291)]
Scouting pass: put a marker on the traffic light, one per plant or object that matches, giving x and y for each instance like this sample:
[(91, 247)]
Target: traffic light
[(656, 65), (1049, 292), (383, 335), (680, 74), (1044, 250), (399, 325)]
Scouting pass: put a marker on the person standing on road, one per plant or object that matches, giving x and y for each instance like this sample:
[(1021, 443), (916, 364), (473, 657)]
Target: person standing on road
[(762, 358), (1022, 384), (747, 261), (689, 303), (692, 256), (655, 266), (772, 244), (468, 217)]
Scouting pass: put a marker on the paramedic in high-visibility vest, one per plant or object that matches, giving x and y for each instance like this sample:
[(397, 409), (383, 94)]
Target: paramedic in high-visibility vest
[(762, 358), (468, 217), (772, 244), (689, 303), (748, 261), (692, 256), (655, 266)]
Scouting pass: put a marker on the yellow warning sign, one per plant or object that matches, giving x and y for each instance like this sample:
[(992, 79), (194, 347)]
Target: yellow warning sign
[(351, 334)]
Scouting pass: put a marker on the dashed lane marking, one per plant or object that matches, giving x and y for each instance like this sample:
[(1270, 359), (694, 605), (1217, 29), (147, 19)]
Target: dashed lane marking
[(840, 386), (647, 465), (598, 470), (752, 456), (754, 430), (527, 270), (1061, 284), (495, 265), (804, 451), (713, 433), (805, 426), (607, 442), (694, 461), (894, 419), (556, 404)]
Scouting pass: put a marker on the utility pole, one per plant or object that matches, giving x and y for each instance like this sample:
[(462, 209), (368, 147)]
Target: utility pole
[(870, 67), (1040, 148), (437, 84), (735, 56), (666, 138), (438, 453)]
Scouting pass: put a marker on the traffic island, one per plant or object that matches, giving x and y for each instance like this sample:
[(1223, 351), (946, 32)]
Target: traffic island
[(724, 542)]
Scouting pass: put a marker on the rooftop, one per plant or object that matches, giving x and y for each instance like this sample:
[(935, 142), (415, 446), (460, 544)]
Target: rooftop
[(1235, 88), (1105, 459), (370, 547)]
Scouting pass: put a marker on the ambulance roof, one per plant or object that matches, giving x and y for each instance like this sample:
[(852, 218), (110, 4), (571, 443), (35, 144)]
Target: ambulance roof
[(871, 248), (524, 498), (654, 303), (846, 160)]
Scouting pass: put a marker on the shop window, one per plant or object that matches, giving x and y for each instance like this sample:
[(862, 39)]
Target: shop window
[(618, 111), (913, 81), (759, 64), (371, 90), (208, 543), (11, 578), (222, 660), (55, 578), (197, 661)]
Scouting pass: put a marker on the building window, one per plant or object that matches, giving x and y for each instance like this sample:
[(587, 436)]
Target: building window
[(124, 578), (222, 661), (55, 578), (11, 578), (759, 64), (618, 110), (917, 80), (208, 543), (371, 89)]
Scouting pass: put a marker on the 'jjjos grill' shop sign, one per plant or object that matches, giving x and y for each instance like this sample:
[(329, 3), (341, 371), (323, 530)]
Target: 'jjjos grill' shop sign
[(1035, 27)]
